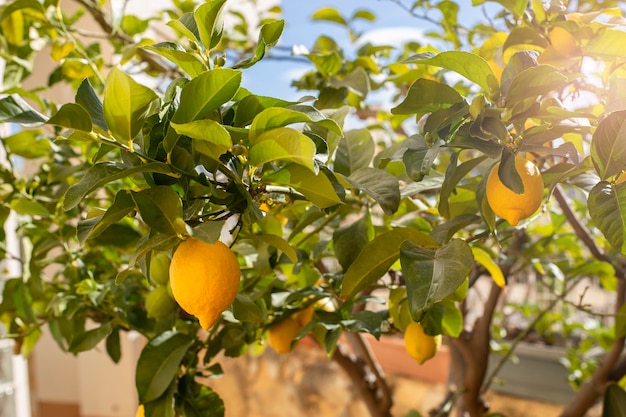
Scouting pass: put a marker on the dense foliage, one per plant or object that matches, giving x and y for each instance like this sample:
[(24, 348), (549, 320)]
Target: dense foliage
[(376, 225)]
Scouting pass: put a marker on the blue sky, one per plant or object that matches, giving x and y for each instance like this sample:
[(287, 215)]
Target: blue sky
[(271, 77)]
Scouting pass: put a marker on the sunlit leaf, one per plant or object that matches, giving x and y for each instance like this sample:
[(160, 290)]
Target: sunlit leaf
[(283, 144), (126, 105), (378, 256), (355, 151), (89, 100), (608, 145), (274, 117), (72, 116), (607, 208), (184, 60), (210, 22), (315, 187), (14, 109), (471, 66), (426, 96), (329, 14), (210, 137), (483, 258)]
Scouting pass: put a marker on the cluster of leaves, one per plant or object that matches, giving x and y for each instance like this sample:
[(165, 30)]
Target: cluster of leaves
[(317, 213)]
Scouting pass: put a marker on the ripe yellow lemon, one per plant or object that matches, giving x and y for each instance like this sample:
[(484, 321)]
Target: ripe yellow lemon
[(305, 316), (418, 344), (508, 204), (140, 411), (204, 278), (282, 333)]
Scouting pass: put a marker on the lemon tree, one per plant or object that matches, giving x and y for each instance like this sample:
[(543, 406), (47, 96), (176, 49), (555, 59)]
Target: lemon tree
[(160, 195)]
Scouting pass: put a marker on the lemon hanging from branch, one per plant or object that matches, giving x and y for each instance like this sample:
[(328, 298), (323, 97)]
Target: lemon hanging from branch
[(510, 205), (418, 344), (204, 278)]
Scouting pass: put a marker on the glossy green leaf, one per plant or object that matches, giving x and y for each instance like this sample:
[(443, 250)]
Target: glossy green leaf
[(14, 109), (244, 309), (113, 345), (607, 208), (164, 405), (210, 137), (329, 14), (104, 173), (210, 22), (355, 151), (431, 275), (471, 66), (161, 208), (317, 188), (378, 256), (274, 117), (72, 116), (283, 144), (454, 174), (202, 96), (126, 105), (89, 100), (89, 339), (534, 82), (378, 184), (186, 27), (268, 37), (614, 401), (158, 364), (174, 53), (426, 96), (608, 145)]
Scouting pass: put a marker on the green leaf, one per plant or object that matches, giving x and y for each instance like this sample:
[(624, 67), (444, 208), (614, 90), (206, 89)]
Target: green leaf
[(432, 275), (14, 109), (350, 240), (28, 144), (471, 66), (29, 207), (210, 137), (244, 309), (365, 321), (17, 5), (517, 7), (454, 174), (87, 97), (620, 322), (364, 15), (426, 96), (378, 256), (378, 184), (123, 204), (355, 151), (203, 402), (614, 402), (317, 188), (158, 364), (113, 346), (161, 208), (177, 55), (284, 144), (201, 96), (210, 22), (329, 14), (126, 105), (104, 173), (607, 44), (534, 82), (72, 116), (164, 405), (608, 145), (277, 242), (89, 339), (274, 117), (607, 208), (452, 320), (268, 37), (186, 26)]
